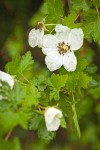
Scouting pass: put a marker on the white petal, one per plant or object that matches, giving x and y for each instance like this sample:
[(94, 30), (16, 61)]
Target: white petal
[(61, 28), (40, 38), (69, 61), (63, 37), (46, 51), (76, 39), (7, 78), (35, 37), (49, 41), (54, 61), (52, 118), (54, 125)]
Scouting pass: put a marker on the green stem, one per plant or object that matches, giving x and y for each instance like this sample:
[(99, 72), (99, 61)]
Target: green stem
[(50, 24)]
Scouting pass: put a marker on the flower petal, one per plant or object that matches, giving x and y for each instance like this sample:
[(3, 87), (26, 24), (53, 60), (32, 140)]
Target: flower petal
[(5, 77), (46, 51), (50, 41), (52, 118), (61, 28), (54, 61), (76, 39), (69, 61), (62, 37), (35, 37)]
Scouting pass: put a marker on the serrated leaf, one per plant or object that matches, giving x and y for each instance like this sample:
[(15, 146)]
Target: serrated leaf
[(35, 122), (32, 96), (55, 8), (20, 64), (56, 83), (50, 10), (63, 123), (77, 5), (70, 21), (26, 62), (12, 67), (16, 98), (66, 106), (43, 133), (92, 30), (54, 94), (23, 118), (77, 80)]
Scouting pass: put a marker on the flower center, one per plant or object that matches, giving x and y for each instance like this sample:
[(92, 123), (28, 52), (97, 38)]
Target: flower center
[(63, 48)]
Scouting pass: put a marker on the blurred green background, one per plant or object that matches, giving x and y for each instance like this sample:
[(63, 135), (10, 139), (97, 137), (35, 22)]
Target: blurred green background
[(15, 18)]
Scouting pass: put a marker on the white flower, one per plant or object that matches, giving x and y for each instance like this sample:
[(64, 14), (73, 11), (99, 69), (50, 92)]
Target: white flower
[(52, 118), (59, 48), (36, 35), (5, 77)]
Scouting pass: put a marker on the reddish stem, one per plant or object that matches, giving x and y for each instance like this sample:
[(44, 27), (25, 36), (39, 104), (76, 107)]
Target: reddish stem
[(84, 49), (8, 135)]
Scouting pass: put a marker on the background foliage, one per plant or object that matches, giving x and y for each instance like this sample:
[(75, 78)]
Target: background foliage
[(37, 86)]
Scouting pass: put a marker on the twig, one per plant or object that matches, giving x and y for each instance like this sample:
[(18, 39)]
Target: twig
[(8, 135), (84, 49), (97, 11)]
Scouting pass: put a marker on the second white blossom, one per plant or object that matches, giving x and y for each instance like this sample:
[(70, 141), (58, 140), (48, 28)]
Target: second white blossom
[(59, 48), (52, 118)]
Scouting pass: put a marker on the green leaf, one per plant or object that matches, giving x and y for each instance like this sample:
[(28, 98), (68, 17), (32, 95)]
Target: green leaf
[(91, 69), (70, 21), (81, 64), (32, 96), (56, 83), (12, 145), (54, 94), (26, 62), (78, 5), (77, 80), (63, 123), (75, 118), (23, 118), (8, 120), (55, 8), (16, 98), (35, 121), (20, 64), (52, 11), (93, 83), (43, 133), (12, 67), (92, 30)]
